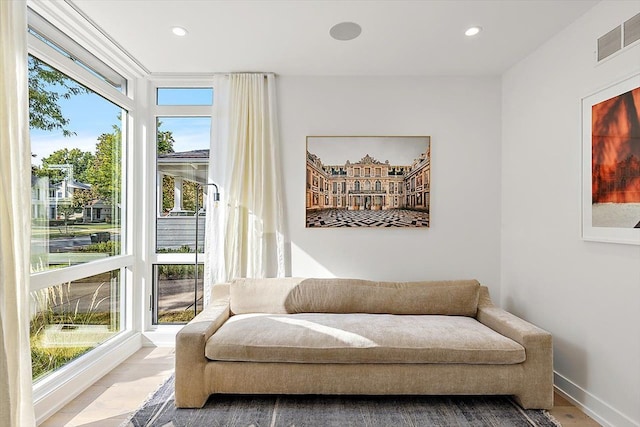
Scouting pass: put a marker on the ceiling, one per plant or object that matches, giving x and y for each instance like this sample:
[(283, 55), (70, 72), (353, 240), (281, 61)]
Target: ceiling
[(292, 37)]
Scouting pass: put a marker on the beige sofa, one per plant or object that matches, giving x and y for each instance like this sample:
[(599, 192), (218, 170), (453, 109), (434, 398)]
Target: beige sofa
[(343, 336)]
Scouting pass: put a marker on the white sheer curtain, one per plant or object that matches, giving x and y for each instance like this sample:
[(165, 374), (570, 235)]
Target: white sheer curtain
[(245, 232), (16, 406)]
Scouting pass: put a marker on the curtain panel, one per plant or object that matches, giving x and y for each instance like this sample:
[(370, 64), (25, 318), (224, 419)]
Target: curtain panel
[(16, 405), (245, 232)]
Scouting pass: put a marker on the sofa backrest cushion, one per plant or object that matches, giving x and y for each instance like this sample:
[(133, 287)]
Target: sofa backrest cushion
[(261, 295), (298, 295)]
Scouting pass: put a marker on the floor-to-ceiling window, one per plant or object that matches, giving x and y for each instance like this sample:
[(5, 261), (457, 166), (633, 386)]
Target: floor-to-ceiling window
[(183, 134), (80, 262)]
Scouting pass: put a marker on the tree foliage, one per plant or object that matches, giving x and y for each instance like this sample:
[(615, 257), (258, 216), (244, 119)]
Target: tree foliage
[(164, 145), (189, 189), (106, 174), (168, 183), (82, 198), (164, 139), (81, 161), (47, 87), (66, 209)]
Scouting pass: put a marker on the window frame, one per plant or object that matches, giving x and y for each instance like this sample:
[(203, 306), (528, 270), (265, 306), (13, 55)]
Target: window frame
[(45, 279), (160, 333), (49, 55), (53, 391)]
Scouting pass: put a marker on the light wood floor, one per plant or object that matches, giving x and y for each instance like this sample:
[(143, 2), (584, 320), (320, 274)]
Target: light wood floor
[(118, 394), (111, 400)]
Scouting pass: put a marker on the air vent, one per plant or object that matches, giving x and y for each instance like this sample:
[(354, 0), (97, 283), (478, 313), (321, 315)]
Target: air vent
[(619, 38), (610, 43), (632, 30)]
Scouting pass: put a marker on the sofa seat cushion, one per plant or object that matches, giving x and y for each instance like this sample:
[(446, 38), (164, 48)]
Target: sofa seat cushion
[(360, 338)]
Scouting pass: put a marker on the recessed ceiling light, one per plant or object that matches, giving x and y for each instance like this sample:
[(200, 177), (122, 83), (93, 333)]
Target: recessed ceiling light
[(179, 31), (472, 31), (345, 31)]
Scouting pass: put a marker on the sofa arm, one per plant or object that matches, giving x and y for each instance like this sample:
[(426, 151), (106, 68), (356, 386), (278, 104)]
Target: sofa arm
[(537, 381), (508, 324), (190, 388)]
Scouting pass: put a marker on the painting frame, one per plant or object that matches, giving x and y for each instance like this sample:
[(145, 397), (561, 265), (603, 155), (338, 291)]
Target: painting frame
[(608, 215), (368, 181)]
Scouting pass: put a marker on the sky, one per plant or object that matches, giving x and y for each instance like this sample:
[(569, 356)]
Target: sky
[(337, 150), (189, 133), (90, 115)]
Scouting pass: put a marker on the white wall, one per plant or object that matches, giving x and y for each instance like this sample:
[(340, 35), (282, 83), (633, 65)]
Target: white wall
[(587, 294), (462, 116)]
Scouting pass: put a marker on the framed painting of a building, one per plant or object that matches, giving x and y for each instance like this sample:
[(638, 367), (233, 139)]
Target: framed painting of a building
[(368, 181), (611, 163)]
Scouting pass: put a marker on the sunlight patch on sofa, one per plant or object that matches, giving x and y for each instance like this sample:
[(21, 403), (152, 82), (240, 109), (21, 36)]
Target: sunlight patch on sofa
[(350, 338)]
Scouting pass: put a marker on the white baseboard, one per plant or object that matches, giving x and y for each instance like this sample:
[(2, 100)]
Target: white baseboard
[(591, 405), (64, 385)]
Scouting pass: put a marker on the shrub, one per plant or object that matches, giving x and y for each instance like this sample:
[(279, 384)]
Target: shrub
[(110, 247), (184, 249)]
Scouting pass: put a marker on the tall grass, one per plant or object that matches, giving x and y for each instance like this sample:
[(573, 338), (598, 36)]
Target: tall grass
[(177, 316), (56, 306)]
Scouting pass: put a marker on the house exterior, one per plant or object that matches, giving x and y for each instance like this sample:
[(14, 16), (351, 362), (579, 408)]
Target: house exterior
[(368, 184), (97, 211), (189, 166), (49, 200)]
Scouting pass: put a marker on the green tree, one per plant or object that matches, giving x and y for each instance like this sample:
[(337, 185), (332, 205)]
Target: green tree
[(66, 209), (164, 145), (167, 192), (82, 198), (106, 174), (81, 161), (47, 86), (189, 189), (164, 140)]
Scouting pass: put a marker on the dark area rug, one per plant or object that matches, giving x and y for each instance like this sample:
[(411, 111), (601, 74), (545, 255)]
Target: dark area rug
[(328, 411)]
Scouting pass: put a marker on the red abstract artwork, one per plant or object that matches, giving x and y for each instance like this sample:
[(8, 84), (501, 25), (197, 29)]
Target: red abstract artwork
[(616, 149)]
